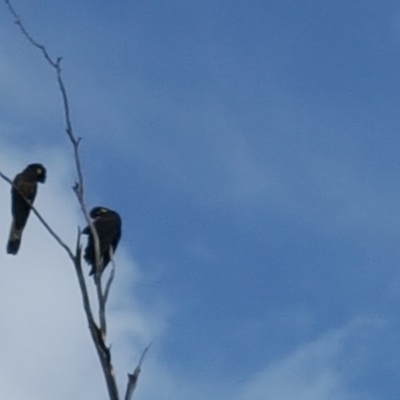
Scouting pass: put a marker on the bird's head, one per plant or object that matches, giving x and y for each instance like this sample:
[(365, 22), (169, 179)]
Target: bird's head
[(98, 212), (38, 171)]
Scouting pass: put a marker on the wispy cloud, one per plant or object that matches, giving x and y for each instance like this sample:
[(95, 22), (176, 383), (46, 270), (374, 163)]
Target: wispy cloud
[(313, 372)]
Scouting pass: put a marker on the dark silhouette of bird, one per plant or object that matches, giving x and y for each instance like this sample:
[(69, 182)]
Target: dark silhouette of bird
[(23, 195), (108, 227)]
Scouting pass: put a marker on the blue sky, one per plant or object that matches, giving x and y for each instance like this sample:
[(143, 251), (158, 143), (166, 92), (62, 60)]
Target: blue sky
[(252, 150)]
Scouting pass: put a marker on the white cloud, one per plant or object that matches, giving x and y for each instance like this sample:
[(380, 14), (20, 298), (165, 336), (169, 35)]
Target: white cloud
[(313, 372)]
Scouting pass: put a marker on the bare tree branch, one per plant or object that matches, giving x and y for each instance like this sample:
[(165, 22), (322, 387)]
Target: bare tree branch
[(81, 278), (98, 334), (133, 378), (79, 191), (102, 303), (110, 277), (29, 37)]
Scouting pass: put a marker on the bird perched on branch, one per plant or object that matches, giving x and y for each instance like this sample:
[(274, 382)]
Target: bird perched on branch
[(23, 194), (108, 227)]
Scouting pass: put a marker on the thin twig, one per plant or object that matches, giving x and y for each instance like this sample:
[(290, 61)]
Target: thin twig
[(28, 36), (81, 279), (133, 378), (101, 301), (110, 277)]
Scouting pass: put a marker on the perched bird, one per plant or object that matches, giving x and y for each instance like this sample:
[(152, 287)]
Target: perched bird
[(108, 227), (23, 194)]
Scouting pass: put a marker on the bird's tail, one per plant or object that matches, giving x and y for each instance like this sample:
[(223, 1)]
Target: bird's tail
[(14, 240)]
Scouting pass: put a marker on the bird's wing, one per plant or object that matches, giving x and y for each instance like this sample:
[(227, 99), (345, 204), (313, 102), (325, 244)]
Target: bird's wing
[(107, 232), (22, 191)]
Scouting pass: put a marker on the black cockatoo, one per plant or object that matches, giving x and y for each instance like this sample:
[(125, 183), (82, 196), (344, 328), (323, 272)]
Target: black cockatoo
[(108, 227), (23, 194)]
